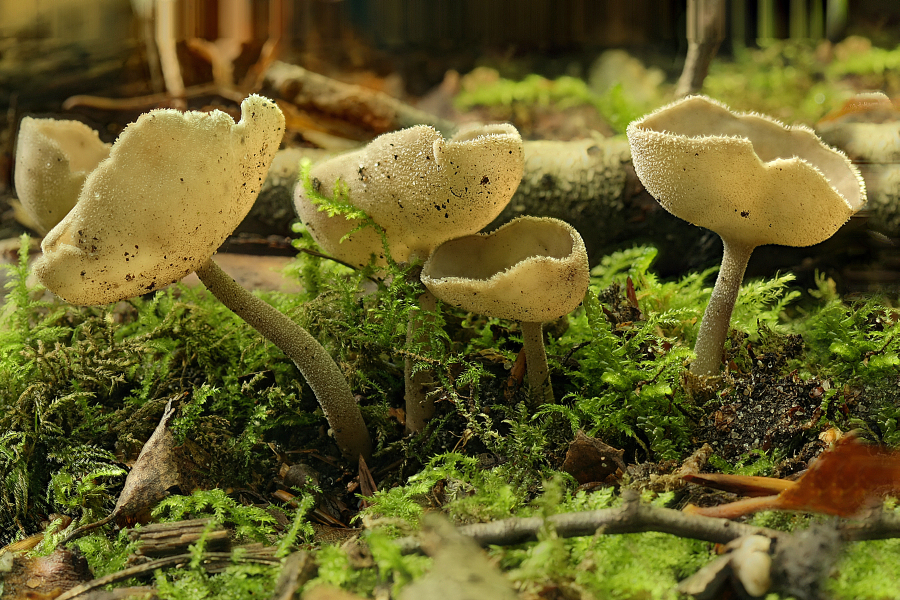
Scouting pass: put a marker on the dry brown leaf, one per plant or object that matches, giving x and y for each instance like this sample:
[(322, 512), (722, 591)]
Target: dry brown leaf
[(735, 510), (154, 472), (399, 414), (516, 375), (845, 480), (367, 485), (299, 567), (589, 459)]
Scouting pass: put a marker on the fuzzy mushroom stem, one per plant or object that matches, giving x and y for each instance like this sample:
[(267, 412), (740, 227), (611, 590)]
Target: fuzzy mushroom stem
[(315, 364), (419, 407), (536, 362), (714, 327)]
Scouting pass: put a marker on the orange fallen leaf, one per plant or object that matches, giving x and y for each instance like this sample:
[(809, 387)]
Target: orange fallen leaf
[(845, 480), (744, 485), (735, 510)]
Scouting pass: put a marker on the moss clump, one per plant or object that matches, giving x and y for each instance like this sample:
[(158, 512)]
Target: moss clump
[(84, 388), (868, 571)]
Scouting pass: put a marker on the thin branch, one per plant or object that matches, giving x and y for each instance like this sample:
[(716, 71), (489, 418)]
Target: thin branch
[(318, 254), (880, 527), (631, 517), (636, 517), (141, 102)]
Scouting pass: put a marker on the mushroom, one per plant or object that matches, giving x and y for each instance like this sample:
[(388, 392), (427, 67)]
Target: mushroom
[(530, 270), (749, 178), (173, 188), (421, 190), (53, 158)]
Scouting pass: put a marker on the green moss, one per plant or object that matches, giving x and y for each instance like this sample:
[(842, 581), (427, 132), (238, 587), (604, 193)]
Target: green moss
[(106, 555), (563, 92), (639, 565), (755, 463), (237, 581), (83, 388), (467, 491), (868, 571)]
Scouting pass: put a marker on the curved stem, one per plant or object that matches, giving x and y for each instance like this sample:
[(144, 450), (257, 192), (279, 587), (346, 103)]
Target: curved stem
[(717, 318), (318, 368), (536, 363), (419, 407)]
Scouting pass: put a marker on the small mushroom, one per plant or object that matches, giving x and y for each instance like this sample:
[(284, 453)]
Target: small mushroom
[(750, 179), (746, 564), (53, 158), (174, 187), (530, 270), (422, 190)]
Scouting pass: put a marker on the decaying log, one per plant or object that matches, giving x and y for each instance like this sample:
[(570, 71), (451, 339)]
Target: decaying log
[(370, 112)]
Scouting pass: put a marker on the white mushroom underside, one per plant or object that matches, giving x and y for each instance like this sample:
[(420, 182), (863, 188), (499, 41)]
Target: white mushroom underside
[(746, 177)]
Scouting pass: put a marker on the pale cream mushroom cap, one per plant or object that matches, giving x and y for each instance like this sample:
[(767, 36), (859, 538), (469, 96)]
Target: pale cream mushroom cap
[(531, 269), (424, 190), (173, 188), (747, 177), (53, 158)]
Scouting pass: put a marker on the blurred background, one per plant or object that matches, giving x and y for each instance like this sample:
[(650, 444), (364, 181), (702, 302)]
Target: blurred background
[(563, 70), (65, 46)]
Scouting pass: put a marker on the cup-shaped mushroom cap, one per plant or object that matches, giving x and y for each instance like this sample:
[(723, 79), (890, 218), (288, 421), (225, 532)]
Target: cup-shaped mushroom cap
[(424, 190), (747, 177), (53, 158), (173, 188), (532, 269)]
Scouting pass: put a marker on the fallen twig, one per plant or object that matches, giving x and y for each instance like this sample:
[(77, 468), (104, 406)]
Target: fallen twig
[(147, 569), (631, 517), (636, 517), (151, 100), (880, 527)]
